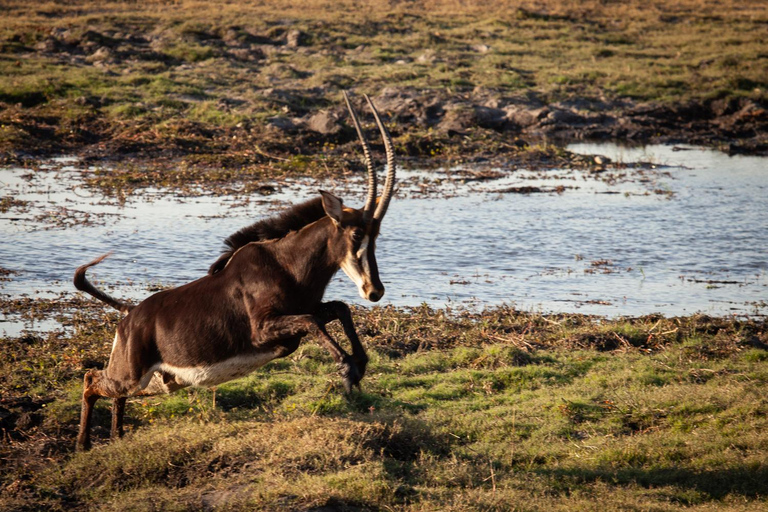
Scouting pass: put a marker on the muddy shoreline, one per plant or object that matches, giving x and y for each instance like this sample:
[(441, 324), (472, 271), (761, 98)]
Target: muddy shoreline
[(430, 128), (263, 96), (482, 129)]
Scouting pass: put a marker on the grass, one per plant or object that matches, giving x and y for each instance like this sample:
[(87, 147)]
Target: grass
[(500, 410), (133, 74)]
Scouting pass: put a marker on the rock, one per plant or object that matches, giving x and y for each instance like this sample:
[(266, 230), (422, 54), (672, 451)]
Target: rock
[(480, 48), (296, 38), (581, 104), (426, 108), (430, 115), (396, 101), (493, 118), (324, 122), (494, 103), (457, 121), (103, 54), (50, 44), (524, 116), (87, 100), (428, 57), (284, 124), (564, 117)]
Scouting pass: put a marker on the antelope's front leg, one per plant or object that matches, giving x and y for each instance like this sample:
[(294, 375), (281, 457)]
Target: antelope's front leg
[(337, 310), (291, 326)]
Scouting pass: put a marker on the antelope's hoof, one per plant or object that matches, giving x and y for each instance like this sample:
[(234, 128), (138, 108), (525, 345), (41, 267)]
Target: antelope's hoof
[(361, 366), (350, 374), (349, 386)]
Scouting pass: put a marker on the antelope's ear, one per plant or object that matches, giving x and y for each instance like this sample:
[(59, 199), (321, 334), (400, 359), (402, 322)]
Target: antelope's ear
[(332, 206)]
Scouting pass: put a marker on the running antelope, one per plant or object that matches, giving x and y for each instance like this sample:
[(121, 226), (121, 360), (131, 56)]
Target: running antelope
[(259, 299)]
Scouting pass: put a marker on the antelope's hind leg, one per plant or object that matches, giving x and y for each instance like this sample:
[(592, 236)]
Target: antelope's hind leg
[(96, 385), (118, 411), (86, 411)]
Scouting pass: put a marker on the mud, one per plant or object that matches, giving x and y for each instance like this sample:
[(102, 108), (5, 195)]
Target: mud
[(427, 125), (435, 125)]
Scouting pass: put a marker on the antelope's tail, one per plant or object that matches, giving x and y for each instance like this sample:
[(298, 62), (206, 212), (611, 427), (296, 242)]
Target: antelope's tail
[(82, 284)]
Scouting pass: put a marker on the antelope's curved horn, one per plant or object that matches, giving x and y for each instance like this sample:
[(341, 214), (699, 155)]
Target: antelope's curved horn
[(370, 200), (389, 184)]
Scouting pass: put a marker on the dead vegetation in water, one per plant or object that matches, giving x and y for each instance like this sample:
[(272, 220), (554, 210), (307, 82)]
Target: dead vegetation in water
[(460, 411)]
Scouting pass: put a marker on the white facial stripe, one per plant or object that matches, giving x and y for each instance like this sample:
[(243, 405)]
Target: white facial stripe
[(362, 256), (363, 247), (356, 266), (352, 269)]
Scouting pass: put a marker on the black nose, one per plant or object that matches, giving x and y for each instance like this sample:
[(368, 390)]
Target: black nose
[(375, 295)]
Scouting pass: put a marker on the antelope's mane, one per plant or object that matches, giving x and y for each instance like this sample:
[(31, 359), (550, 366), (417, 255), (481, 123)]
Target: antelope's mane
[(271, 228)]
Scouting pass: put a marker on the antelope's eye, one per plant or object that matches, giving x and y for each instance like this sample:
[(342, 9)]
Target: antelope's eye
[(357, 235)]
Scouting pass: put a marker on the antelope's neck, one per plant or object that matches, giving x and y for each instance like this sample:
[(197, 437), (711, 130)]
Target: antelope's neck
[(310, 254)]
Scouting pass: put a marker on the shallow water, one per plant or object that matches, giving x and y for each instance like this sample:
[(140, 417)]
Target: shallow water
[(688, 235)]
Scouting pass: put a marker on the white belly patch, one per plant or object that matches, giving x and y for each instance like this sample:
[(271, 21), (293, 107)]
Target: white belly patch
[(204, 375)]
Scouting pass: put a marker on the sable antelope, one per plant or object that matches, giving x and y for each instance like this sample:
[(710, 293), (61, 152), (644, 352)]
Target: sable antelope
[(259, 299)]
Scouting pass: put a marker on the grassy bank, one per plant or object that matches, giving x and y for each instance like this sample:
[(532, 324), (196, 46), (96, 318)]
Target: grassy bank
[(494, 411), (241, 84)]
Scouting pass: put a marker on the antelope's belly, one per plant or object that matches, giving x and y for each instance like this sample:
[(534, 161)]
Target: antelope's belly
[(213, 373)]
